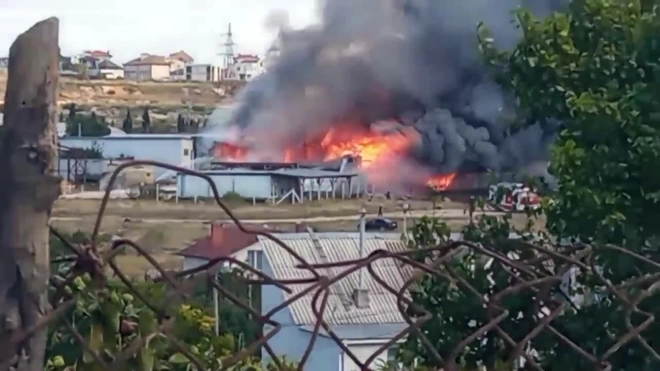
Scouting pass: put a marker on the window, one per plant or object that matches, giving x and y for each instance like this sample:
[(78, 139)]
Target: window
[(186, 152), (255, 259)]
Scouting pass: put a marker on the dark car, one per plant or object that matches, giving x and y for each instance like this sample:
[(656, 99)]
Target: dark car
[(379, 224)]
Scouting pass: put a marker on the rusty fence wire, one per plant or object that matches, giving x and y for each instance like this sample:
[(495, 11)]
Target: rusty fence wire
[(524, 274)]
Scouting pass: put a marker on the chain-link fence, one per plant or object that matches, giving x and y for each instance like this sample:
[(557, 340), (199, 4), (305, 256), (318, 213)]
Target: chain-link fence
[(539, 272)]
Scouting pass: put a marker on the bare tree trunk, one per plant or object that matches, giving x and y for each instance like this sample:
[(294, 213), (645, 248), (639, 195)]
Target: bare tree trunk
[(28, 188)]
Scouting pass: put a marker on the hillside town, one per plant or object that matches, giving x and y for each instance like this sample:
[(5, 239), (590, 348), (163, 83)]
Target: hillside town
[(177, 66)]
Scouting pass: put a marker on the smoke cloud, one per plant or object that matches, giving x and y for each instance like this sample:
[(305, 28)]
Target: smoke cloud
[(415, 61)]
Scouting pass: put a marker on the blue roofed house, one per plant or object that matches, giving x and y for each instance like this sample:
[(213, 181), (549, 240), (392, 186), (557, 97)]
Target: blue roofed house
[(360, 311)]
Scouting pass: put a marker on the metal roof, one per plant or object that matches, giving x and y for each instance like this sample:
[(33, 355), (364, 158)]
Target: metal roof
[(339, 247), (292, 173), (124, 136), (312, 173)]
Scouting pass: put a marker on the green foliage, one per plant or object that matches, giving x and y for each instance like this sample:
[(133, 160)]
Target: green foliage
[(232, 196), (593, 69), (127, 125), (457, 312), (86, 126), (111, 317), (146, 120)]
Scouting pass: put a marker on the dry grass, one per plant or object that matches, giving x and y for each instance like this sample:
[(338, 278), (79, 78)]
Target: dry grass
[(208, 209)]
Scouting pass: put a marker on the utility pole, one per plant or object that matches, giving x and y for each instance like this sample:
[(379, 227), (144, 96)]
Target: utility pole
[(228, 51), (28, 187)]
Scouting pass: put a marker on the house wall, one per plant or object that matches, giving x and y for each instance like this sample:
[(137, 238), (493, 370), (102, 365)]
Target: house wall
[(138, 73), (176, 64), (175, 151), (160, 72), (112, 74), (243, 71), (203, 72), (248, 186), (191, 262), (363, 351), (290, 341)]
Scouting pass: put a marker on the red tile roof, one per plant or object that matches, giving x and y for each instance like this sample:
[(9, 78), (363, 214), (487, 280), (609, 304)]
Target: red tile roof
[(98, 53), (223, 241)]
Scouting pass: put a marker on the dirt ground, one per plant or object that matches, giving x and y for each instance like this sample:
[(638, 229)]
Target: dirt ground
[(100, 93), (208, 210)]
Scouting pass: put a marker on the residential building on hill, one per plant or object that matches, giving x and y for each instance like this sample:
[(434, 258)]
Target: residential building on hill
[(179, 60), (245, 68), (107, 69), (203, 72), (147, 67)]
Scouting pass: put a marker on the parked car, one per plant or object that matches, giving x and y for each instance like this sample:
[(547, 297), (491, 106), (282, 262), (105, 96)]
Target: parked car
[(379, 224)]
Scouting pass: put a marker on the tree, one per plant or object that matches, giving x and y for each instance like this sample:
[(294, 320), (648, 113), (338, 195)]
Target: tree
[(146, 120), (180, 124), (127, 125), (111, 318), (87, 126), (594, 70), (72, 112)]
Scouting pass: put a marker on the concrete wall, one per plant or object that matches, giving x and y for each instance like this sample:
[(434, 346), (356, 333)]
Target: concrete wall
[(248, 186), (137, 73), (173, 151), (160, 72), (290, 341)]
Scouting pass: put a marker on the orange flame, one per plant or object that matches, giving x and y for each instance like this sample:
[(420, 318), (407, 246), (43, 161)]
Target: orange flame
[(376, 151), (441, 182), (371, 148)]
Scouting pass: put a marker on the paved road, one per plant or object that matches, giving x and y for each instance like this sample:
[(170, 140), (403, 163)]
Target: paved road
[(443, 214)]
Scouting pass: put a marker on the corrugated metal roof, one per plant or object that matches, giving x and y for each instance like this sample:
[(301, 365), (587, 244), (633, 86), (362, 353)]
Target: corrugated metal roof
[(312, 173), (340, 247)]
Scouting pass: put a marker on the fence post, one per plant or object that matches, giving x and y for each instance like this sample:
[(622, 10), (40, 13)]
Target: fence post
[(28, 188)]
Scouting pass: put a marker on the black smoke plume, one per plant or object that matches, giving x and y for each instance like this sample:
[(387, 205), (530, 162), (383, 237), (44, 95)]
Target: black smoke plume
[(414, 61)]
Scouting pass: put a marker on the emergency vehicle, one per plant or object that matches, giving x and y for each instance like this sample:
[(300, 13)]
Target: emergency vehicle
[(513, 197)]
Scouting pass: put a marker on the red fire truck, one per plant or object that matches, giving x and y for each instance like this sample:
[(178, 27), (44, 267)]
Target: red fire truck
[(513, 197)]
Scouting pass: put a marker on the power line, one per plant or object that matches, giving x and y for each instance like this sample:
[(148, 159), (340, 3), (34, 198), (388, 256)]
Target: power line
[(228, 52)]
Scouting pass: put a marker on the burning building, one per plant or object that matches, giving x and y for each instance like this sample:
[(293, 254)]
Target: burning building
[(397, 83)]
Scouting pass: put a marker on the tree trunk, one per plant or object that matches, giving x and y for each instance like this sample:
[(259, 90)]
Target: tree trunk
[(28, 188)]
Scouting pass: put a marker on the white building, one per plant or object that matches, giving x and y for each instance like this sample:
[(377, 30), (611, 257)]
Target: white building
[(147, 67), (107, 69), (203, 72), (245, 68), (172, 149)]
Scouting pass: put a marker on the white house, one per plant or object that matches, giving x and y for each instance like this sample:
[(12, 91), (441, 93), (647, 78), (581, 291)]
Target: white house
[(147, 67), (203, 72), (172, 149), (107, 69), (245, 68), (360, 312)]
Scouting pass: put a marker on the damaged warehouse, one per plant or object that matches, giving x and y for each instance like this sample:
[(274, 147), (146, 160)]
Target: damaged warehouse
[(290, 184)]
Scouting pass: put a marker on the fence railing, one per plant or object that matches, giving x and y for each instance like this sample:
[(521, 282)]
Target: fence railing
[(525, 275)]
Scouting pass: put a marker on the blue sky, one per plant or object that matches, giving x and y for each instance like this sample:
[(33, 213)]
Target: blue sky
[(130, 27)]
